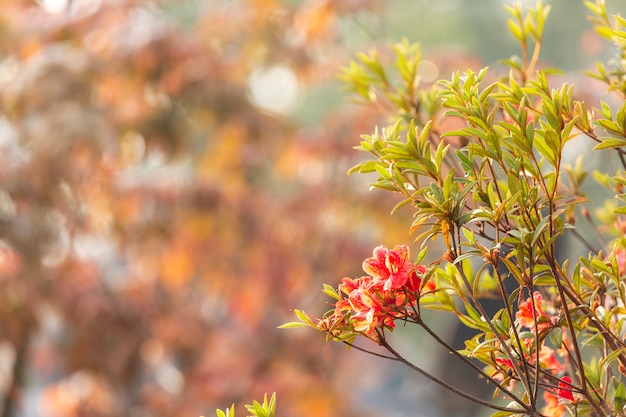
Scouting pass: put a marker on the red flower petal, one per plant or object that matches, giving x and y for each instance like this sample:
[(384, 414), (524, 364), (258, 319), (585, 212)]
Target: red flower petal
[(565, 388)]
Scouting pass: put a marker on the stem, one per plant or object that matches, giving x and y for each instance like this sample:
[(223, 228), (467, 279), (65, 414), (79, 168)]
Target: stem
[(533, 60), (590, 133), (622, 159), (594, 227), (533, 308), (570, 324), (371, 352), (524, 45), (614, 341), (518, 340), (559, 285), (599, 405), (471, 364), (484, 314), (444, 384), (584, 241)]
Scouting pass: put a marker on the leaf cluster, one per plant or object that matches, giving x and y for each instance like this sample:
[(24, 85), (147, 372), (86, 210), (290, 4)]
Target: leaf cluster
[(256, 409)]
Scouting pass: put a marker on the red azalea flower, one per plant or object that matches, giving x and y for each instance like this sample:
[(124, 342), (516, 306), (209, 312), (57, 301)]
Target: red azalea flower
[(553, 408), (503, 358), (375, 301), (525, 316), (363, 301), (391, 266), (414, 281), (548, 360), (565, 388), (504, 362)]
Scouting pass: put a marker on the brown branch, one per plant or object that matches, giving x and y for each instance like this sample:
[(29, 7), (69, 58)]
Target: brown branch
[(449, 387)]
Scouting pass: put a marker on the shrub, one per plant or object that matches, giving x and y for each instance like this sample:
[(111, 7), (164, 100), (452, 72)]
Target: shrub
[(500, 194)]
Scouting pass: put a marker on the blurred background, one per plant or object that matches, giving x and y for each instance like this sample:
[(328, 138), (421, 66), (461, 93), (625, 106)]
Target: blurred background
[(173, 182)]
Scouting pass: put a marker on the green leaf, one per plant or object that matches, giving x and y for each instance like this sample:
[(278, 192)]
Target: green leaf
[(515, 29), (266, 409), (610, 143), (538, 232), (514, 62), (606, 110), (293, 325), (401, 204), (546, 151), (597, 10), (610, 126), (467, 131), (383, 172), (619, 398), (364, 167), (556, 337), (606, 361), (230, 412)]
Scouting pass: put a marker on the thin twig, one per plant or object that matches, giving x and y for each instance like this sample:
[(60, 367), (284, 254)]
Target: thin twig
[(445, 385), (469, 363)]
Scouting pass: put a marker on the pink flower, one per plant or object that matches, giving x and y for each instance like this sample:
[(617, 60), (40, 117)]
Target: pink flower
[(391, 266)]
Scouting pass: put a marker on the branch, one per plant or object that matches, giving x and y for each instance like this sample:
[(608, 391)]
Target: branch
[(447, 386)]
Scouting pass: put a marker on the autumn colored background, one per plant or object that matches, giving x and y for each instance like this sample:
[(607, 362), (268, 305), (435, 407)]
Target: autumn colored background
[(173, 181)]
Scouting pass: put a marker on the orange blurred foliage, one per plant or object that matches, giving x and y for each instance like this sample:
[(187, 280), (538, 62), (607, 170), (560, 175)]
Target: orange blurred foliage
[(156, 226)]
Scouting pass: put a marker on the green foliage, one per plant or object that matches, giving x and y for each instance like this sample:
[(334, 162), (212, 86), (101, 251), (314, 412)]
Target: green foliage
[(499, 192), (613, 29), (230, 412), (256, 409), (395, 88), (266, 409)]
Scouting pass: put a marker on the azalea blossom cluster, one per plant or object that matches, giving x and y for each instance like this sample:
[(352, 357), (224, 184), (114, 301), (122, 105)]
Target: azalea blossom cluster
[(533, 325), (375, 301)]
